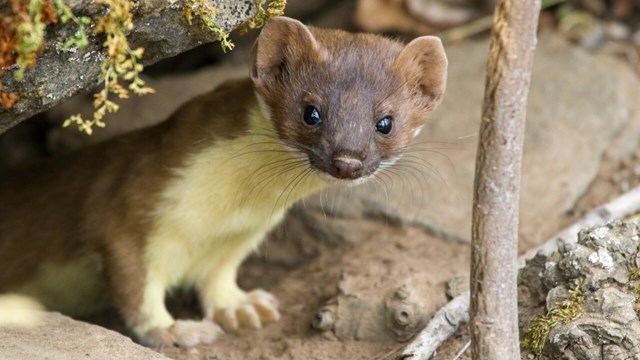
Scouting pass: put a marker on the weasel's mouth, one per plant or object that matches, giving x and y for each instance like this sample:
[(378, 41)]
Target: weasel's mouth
[(333, 180), (343, 169), (335, 177)]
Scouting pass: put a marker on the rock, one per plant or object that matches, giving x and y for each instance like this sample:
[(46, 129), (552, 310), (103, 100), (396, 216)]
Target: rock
[(159, 26), (599, 265), (60, 337), (442, 12), (457, 285), (617, 31)]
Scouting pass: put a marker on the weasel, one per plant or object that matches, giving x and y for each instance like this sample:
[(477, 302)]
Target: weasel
[(183, 203)]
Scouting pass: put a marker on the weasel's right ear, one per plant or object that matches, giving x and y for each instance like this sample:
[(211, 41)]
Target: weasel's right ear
[(283, 42), (423, 63)]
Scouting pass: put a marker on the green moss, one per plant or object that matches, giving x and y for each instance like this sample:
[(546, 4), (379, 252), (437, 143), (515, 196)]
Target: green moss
[(79, 38), (561, 313)]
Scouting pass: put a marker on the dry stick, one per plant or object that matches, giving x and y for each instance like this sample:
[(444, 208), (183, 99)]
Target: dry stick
[(479, 25), (494, 230), (445, 322)]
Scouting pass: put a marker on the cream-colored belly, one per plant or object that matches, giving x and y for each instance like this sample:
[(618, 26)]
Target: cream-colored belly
[(220, 206), (184, 255)]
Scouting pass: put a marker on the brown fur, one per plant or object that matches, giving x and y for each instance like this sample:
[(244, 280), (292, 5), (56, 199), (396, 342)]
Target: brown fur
[(354, 80), (99, 199), (102, 198)]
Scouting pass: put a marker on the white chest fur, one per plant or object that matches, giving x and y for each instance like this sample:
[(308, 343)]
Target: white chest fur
[(222, 203)]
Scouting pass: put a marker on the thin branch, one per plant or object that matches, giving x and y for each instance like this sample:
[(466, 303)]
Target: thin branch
[(494, 231), (444, 323)]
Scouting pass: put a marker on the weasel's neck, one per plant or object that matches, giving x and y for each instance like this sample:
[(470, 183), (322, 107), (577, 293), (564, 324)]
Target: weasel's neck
[(270, 167), (254, 170)]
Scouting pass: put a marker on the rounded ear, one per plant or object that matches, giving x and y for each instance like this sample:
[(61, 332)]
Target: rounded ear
[(282, 42), (423, 63)]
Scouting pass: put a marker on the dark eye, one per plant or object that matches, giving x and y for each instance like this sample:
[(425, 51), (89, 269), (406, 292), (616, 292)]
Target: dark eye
[(312, 116), (384, 125)]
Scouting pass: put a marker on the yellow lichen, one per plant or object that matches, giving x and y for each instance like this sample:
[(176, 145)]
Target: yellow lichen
[(274, 8), (207, 14), (122, 63), (561, 313)]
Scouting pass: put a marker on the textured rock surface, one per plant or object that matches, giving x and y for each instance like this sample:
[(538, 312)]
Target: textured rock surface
[(600, 264), (59, 337), (159, 26)]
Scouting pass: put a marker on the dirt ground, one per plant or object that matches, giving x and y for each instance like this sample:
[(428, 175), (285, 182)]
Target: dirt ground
[(358, 284)]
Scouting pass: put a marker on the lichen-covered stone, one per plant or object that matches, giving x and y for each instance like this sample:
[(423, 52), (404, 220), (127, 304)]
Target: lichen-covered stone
[(599, 264), (159, 26)]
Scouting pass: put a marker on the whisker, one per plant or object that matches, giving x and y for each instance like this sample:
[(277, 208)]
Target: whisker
[(284, 190), (422, 163), (266, 180), (306, 173), (259, 182)]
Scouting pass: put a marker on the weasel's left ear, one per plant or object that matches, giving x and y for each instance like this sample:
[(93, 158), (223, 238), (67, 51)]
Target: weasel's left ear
[(423, 64)]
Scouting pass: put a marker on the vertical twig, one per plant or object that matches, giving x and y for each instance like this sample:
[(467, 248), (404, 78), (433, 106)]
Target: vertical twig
[(494, 310)]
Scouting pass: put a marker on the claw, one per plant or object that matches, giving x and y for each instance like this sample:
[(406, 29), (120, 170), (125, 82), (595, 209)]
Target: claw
[(258, 309), (184, 333)]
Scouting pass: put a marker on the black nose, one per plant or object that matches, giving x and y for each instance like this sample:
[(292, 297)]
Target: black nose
[(346, 167)]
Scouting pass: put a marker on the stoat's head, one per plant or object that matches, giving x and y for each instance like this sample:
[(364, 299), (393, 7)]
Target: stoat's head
[(350, 103)]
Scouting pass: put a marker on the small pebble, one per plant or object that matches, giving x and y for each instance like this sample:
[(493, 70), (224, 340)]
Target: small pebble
[(617, 31)]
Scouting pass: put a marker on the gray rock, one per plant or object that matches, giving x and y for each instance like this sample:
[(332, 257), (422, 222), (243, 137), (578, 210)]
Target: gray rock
[(159, 26), (599, 265), (615, 305), (59, 337)]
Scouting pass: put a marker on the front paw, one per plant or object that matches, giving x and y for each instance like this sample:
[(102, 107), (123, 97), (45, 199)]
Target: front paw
[(256, 309), (184, 333)]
